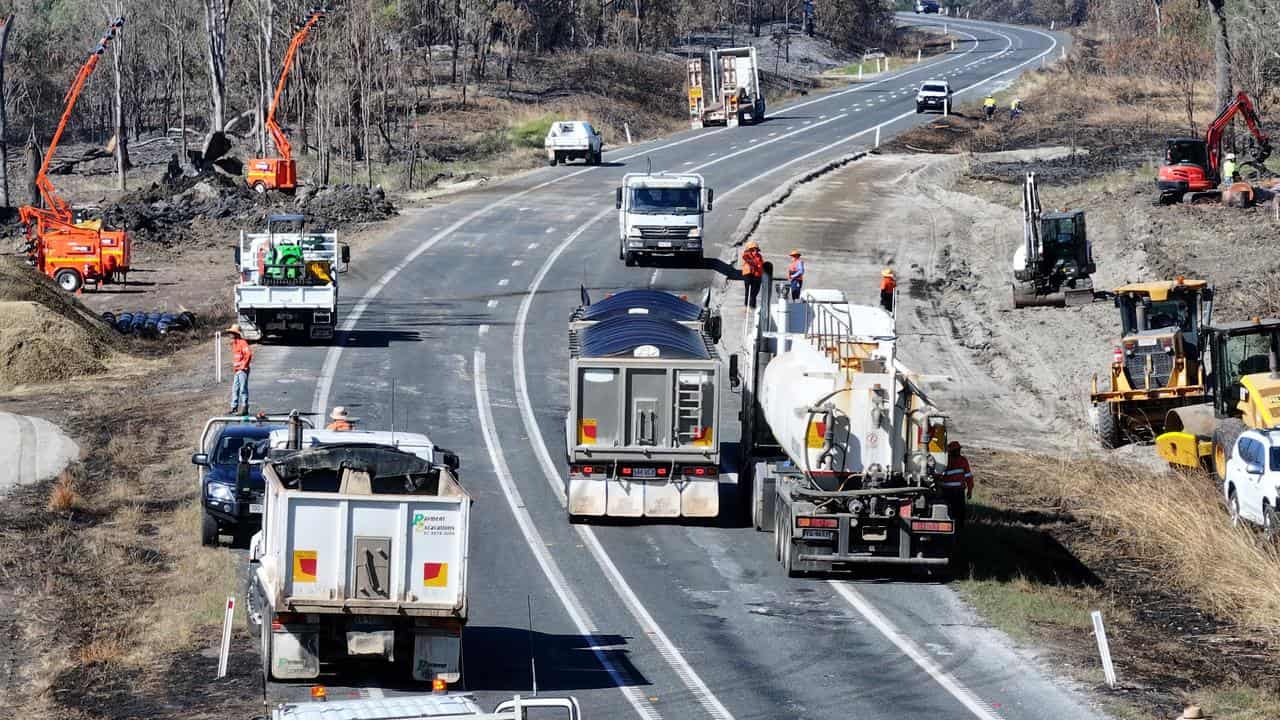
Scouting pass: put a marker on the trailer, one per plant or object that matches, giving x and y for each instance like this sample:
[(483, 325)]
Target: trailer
[(289, 281), (641, 432), (362, 554), (841, 445), (734, 95)]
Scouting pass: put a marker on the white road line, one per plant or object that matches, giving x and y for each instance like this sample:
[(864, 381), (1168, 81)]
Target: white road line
[(961, 693), (533, 539), (653, 279), (504, 282), (517, 262), (483, 329), (534, 246), (492, 303)]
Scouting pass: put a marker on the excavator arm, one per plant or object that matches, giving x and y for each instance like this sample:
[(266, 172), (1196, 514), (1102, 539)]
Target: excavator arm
[(54, 206), (277, 135), (1243, 106)]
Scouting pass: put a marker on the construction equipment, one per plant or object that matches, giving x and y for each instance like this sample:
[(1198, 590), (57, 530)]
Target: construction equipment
[(1055, 261), (362, 555), (281, 173), (289, 280), (1157, 366), (61, 242), (1192, 167), (840, 442), (735, 95), (644, 406), (1244, 385)]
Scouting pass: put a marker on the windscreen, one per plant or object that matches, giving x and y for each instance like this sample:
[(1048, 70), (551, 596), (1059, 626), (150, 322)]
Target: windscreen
[(1186, 153), (1243, 355), (229, 449), (1163, 315), (665, 201), (934, 88)]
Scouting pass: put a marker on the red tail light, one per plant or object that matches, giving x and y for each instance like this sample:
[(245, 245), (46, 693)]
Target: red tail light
[(932, 526), (662, 472), (279, 620), (626, 471), (817, 522), (1117, 357)]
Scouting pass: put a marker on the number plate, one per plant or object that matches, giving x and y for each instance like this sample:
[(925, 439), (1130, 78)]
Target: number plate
[(255, 509), (644, 472), (664, 244), (812, 534)]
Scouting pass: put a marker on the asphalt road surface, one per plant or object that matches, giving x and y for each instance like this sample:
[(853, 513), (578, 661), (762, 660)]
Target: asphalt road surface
[(464, 310)]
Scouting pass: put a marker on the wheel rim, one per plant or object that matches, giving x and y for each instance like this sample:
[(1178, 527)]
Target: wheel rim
[(67, 281), (260, 188)]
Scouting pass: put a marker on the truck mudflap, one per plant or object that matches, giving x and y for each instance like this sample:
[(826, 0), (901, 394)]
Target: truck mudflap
[(684, 496), (295, 653), (436, 656)]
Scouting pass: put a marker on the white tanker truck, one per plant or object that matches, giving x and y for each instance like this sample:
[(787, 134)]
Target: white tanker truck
[(840, 443)]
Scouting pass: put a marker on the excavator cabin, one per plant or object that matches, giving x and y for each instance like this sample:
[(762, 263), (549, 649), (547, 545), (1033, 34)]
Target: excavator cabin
[(1157, 366)]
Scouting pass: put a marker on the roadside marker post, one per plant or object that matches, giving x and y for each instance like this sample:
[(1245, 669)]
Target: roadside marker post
[(1052, 23), (226, 636), (627, 128), (217, 356), (877, 136), (953, 46), (1104, 649), (918, 54), (859, 72)]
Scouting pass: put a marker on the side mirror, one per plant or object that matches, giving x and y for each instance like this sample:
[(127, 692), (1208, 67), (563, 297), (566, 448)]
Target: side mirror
[(201, 459), (344, 252), (237, 252), (735, 377), (617, 198), (711, 195), (1253, 468)]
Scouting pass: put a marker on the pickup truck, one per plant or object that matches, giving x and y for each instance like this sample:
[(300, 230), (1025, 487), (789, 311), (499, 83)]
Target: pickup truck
[(362, 554), (289, 280), (230, 488), (573, 140), (934, 95), (423, 707)]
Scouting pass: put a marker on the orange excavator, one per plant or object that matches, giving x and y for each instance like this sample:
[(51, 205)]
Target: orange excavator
[(281, 173), (61, 242), (1192, 166)]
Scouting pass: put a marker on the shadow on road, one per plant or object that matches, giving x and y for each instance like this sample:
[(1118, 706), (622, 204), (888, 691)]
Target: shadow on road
[(498, 659)]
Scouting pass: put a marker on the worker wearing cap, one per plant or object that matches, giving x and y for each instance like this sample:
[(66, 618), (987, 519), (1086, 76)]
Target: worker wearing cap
[(752, 272), (341, 422), (989, 106), (795, 274), (957, 483), (888, 284), (241, 359), (1229, 169), (1015, 108)]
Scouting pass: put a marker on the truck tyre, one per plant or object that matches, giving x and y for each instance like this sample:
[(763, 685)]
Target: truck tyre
[(68, 279), (260, 188), (787, 550), (264, 638), (1224, 444), (630, 259), (208, 530), (1270, 521), (555, 158), (1108, 427)]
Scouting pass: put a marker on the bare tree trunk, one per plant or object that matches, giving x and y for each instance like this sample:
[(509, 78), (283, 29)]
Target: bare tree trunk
[(1221, 53), (182, 100), (265, 10), (217, 13), (34, 159), (4, 120), (117, 76)]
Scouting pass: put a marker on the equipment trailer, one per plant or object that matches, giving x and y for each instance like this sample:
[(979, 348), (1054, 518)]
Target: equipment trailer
[(840, 442)]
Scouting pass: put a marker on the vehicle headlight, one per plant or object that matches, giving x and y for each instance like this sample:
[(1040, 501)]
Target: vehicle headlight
[(218, 491), (695, 232)]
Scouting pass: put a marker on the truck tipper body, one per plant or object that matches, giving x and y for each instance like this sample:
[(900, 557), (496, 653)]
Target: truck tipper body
[(362, 554), (840, 438), (642, 430), (288, 282), (661, 215), (728, 92)]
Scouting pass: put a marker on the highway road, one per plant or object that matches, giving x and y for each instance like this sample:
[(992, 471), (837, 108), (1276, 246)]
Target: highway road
[(463, 310)]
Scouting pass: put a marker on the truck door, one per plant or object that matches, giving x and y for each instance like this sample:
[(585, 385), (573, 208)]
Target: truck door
[(648, 419)]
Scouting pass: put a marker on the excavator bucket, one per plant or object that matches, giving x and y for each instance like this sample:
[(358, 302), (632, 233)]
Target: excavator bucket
[(1239, 195)]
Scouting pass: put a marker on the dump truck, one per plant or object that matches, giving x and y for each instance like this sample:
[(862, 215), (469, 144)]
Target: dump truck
[(642, 430), (362, 554), (1244, 391), (841, 446), (459, 706), (1054, 263), (1157, 365), (289, 280), (661, 215), (734, 95)]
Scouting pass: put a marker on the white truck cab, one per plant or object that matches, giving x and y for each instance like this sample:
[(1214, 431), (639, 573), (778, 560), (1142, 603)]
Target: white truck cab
[(1252, 483), (573, 140), (661, 215), (934, 95)]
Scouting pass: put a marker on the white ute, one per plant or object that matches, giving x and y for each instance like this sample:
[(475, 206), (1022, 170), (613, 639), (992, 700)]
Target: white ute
[(1252, 483), (573, 140), (934, 95), (362, 553)]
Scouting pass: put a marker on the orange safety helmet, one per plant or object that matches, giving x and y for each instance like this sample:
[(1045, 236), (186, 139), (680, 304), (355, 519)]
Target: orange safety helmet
[(887, 272)]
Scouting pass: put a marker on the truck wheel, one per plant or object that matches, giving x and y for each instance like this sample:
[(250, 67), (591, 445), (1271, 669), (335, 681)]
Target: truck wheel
[(1270, 521), (68, 279), (260, 188), (208, 530), (555, 158), (1108, 428), (630, 259), (787, 550), (1224, 443), (264, 637)]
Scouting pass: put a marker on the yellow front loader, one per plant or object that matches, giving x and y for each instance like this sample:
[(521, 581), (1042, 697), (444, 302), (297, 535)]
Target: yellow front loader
[(1244, 384), (1156, 368)]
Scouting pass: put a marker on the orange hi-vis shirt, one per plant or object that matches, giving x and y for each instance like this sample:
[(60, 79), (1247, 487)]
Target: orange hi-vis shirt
[(752, 263), (888, 284), (241, 354)]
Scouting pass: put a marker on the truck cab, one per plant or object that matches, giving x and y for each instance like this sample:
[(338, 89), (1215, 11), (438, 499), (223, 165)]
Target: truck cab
[(661, 215)]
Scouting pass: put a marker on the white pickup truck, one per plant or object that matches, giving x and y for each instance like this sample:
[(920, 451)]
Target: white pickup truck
[(661, 215), (573, 140), (362, 553), (289, 281)]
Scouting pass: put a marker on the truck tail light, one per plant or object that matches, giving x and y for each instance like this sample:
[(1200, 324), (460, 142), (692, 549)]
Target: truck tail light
[(1117, 357), (932, 526), (817, 522), (279, 620), (700, 470), (318, 693), (438, 685)]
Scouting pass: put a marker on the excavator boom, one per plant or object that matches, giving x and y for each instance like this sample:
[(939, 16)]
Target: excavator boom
[(277, 135), (1243, 106)]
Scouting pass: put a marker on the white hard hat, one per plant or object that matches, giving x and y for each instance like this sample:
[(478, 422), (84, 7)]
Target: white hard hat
[(339, 413), (1231, 156)]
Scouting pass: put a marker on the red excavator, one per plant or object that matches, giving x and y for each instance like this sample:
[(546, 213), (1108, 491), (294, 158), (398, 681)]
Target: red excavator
[(281, 173), (61, 242), (1192, 166)]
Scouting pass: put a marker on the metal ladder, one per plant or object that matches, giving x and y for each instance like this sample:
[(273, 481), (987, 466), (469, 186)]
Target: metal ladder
[(688, 410)]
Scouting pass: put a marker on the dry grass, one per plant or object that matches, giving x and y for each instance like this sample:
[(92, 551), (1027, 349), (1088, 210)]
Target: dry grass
[(63, 497)]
